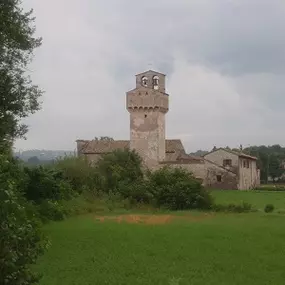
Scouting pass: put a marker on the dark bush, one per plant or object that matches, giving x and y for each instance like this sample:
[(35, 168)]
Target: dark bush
[(136, 192), (21, 241), (269, 208), (177, 189), (43, 183), (233, 208), (118, 168), (50, 211), (79, 172)]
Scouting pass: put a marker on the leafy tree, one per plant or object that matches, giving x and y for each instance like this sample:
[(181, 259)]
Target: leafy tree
[(275, 170), (270, 160), (21, 241), (79, 172), (18, 96), (119, 167), (45, 183), (178, 189)]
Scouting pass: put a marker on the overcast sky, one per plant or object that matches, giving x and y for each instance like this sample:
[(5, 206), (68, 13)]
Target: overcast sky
[(224, 60)]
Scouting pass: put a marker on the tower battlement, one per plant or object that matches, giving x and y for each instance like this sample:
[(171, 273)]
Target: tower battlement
[(141, 99)]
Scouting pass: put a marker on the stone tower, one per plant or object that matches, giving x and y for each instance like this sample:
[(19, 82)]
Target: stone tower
[(147, 105)]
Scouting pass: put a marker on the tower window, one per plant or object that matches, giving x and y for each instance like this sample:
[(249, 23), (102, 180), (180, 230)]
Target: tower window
[(145, 115), (155, 82), (144, 81)]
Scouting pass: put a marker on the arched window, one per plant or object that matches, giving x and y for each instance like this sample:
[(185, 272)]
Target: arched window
[(155, 82), (144, 81)]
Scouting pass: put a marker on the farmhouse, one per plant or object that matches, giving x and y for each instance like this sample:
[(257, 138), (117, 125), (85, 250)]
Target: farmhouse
[(243, 165), (148, 104)]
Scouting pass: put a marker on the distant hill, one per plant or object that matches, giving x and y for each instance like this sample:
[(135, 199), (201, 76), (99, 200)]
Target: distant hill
[(43, 155)]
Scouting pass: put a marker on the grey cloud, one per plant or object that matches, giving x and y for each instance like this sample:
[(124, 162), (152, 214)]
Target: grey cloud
[(224, 62), (234, 37)]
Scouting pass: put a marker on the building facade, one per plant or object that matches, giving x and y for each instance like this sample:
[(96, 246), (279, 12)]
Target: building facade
[(245, 166), (147, 104)]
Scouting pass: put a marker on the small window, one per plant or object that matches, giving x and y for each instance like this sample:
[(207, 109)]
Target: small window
[(245, 163), (145, 115), (219, 178), (227, 162)]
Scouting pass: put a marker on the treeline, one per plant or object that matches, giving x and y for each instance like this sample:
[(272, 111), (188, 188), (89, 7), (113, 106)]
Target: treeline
[(271, 162)]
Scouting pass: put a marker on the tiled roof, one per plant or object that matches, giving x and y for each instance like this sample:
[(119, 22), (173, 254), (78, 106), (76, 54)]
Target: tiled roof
[(150, 70), (174, 145), (181, 157), (101, 146), (240, 154)]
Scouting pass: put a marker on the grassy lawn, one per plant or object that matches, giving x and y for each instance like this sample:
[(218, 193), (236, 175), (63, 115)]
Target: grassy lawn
[(257, 198), (218, 249)]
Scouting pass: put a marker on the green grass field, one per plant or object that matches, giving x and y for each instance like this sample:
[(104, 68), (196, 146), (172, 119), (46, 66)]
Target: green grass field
[(257, 198), (212, 249)]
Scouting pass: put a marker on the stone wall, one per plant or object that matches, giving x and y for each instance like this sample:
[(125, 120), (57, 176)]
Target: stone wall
[(248, 176), (229, 180), (93, 157), (147, 98), (208, 173), (148, 135), (80, 145)]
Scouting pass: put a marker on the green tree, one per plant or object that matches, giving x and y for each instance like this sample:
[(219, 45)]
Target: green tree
[(270, 160), (21, 241), (178, 189), (18, 96), (117, 168), (275, 170)]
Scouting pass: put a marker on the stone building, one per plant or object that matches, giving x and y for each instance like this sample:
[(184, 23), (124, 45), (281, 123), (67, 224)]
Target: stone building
[(245, 166), (148, 104)]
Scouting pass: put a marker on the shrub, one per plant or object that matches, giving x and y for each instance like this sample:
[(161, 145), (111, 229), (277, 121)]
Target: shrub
[(81, 205), (118, 168), (21, 241), (177, 189), (136, 192), (269, 208), (44, 183), (233, 208), (79, 172), (50, 211), (278, 188)]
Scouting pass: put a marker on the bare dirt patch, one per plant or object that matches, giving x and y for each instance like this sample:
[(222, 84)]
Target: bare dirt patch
[(152, 219)]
